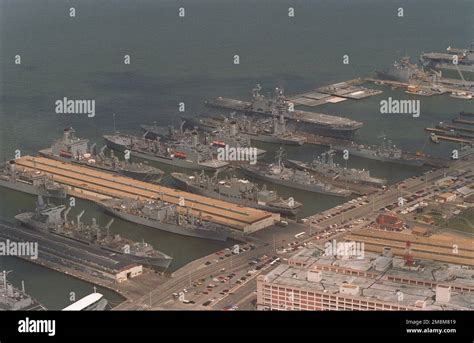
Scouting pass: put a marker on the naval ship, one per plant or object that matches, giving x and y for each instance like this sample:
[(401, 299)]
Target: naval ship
[(277, 173), (225, 135), (402, 71), (325, 166), (53, 219), (186, 153), (163, 216), (266, 130), (76, 150), (13, 299), (235, 190), (386, 152), (316, 123), (31, 182), (465, 59)]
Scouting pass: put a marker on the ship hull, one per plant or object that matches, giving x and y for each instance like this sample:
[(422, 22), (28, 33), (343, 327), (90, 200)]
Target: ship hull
[(179, 230), (308, 188), (165, 160), (183, 185)]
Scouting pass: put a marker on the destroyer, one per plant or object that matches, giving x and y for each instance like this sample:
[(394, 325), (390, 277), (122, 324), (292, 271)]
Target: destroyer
[(238, 191), (386, 152), (293, 178), (31, 182), (163, 216), (317, 123), (325, 166), (53, 219), (187, 153), (76, 150)]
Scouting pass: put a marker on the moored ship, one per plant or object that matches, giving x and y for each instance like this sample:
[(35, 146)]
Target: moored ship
[(53, 219), (386, 152), (274, 130), (163, 216), (316, 123), (31, 182), (325, 166), (277, 173), (187, 153), (238, 191), (14, 299), (76, 150)]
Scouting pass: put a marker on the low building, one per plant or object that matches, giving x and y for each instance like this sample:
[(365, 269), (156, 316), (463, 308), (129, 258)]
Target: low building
[(445, 197), (328, 283), (389, 221)]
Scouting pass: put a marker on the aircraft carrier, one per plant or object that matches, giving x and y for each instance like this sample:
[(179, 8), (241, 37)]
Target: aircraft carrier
[(76, 150), (317, 123), (163, 216), (187, 153), (386, 152), (30, 181), (238, 191), (53, 219)]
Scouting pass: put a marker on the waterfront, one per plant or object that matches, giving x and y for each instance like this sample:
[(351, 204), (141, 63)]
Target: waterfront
[(191, 61)]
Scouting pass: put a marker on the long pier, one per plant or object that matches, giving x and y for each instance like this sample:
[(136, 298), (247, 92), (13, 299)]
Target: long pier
[(95, 185)]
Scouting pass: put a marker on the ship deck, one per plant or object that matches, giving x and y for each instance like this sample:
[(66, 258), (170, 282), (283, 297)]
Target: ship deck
[(91, 184)]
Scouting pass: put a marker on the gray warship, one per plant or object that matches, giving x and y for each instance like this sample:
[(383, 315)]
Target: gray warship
[(238, 191), (31, 182), (445, 60), (163, 216), (227, 134), (386, 152), (266, 130), (316, 123), (402, 71), (277, 173), (76, 150), (14, 299), (53, 219), (186, 153), (325, 166)]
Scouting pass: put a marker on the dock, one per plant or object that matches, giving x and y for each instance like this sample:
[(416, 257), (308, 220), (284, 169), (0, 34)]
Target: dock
[(428, 88), (95, 185), (441, 135), (463, 121), (335, 93)]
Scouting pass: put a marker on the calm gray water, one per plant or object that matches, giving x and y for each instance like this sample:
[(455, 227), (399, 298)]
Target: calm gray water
[(190, 59)]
